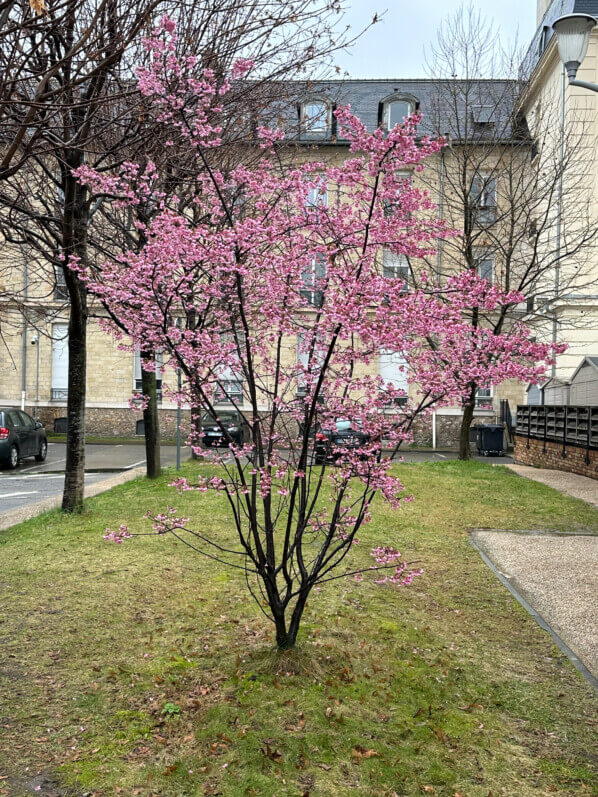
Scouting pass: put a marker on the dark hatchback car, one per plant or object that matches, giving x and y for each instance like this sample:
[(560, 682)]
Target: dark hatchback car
[(330, 443), (20, 437), (237, 429)]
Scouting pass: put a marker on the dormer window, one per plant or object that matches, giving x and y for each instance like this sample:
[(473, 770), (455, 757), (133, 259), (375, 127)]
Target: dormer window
[(395, 112), (316, 119), (482, 115)]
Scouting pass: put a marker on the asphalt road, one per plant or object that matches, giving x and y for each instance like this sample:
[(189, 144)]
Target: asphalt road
[(33, 481)]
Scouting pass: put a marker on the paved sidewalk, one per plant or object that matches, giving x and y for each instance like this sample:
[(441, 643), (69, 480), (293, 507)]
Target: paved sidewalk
[(557, 575), (570, 483), (15, 516)]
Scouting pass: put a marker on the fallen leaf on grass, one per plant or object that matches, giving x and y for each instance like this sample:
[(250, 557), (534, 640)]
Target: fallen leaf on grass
[(359, 753), (271, 752)]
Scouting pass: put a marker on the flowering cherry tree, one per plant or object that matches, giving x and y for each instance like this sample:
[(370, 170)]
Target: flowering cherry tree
[(273, 288)]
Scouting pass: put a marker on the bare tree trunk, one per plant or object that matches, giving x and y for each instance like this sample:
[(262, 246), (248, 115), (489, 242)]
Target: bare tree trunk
[(72, 498), (75, 226), (151, 425), (464, 444)]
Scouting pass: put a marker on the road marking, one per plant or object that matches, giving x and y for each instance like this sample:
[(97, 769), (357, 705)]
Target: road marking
[(14, 495), (54, 462), (141, 461), (36, 476)]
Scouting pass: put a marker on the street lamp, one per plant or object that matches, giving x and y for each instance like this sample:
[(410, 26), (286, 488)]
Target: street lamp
[(573, 37)]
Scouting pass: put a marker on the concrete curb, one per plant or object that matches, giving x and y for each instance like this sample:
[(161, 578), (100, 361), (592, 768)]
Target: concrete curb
[(16, 516), (573, 658)]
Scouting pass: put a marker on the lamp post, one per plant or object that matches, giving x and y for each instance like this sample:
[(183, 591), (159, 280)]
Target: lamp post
[(35, 342), (572, 38)]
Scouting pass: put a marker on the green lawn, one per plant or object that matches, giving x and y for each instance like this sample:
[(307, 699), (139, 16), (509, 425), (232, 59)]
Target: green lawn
[(143, 669)]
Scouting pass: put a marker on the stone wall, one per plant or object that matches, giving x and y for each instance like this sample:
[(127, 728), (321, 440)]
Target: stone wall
[(122, 422), (550, 455)]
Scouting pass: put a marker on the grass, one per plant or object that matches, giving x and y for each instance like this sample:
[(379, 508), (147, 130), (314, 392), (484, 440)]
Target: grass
[(143, 669)]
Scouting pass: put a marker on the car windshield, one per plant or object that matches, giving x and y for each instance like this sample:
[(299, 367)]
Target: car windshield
[(225, 418), (342, 425)]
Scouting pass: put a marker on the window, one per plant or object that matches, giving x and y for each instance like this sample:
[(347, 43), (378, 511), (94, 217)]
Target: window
[(483, 398), (313, 278), (482, 115), (60, 362), (483, 199), (229, 378), (230, 388), (390, 206), (395, 112), (138, 385), (392, 368), (60, 290), (317, 193), (484, 263), (315, 118), (304, 343), (543, 39), (26, 420), (395, 266)]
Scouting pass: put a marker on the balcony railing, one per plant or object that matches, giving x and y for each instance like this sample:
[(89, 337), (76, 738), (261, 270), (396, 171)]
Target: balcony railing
[(59, 394)]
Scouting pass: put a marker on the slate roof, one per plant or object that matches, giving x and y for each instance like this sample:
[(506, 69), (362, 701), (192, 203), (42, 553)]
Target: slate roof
[(366, 98), (544, 33)]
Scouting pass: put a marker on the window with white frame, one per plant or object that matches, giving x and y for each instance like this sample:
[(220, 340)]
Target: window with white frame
[(483, 398), (60, 362), (137, 375), (229, 387), (395, 112), (406, 177), (313, 280), (484, 264), (395, 266), (317, 193), (392, 367), (316, 118), (310, 361), (483, 199), (60, 289)]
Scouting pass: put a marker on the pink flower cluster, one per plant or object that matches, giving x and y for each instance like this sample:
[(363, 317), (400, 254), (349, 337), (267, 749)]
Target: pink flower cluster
[(387, 556), (123, 533)]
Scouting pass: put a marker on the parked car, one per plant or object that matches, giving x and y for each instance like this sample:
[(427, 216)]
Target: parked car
[(20, 437), (330, 443), (230, 426)]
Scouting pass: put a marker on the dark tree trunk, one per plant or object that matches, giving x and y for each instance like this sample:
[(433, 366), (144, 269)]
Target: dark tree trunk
[(74, 481), (75, 225), (151, 425), (464, 444)]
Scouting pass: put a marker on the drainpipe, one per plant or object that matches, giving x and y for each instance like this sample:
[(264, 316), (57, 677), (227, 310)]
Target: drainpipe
[(24, 344), (440, 214), (557, 267)]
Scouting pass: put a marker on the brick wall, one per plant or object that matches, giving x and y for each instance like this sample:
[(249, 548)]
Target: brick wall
[(550, 455)]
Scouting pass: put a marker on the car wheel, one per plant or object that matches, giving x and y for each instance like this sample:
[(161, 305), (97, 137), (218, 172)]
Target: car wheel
[(43, 451), (13, 457)]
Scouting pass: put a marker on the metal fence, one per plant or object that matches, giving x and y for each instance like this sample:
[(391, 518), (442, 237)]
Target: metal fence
[(575, 426)]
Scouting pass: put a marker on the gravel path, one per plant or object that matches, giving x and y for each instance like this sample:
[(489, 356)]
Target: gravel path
[(557, 574), (569, 483)]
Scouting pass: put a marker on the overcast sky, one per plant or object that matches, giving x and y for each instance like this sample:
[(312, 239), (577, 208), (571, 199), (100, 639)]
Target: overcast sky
[(396, 46)]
